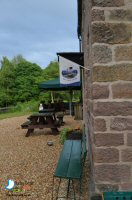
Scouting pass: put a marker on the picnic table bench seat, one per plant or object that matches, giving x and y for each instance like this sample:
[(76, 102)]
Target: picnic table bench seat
[(70, 163), (26, 124)]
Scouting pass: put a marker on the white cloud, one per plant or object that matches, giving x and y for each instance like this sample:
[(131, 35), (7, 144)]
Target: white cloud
[(37, 29)]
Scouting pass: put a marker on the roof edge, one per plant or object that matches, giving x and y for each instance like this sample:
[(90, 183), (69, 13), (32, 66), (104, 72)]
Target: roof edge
[(79, 5)]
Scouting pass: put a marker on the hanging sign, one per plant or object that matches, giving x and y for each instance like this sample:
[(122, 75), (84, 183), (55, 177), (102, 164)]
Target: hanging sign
[(69, 72)]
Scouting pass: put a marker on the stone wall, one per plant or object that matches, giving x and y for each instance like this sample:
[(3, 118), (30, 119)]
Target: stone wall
[(107, 46), (87, 87)]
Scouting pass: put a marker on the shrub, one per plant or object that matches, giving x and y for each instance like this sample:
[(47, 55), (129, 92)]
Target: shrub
[(63, 135)]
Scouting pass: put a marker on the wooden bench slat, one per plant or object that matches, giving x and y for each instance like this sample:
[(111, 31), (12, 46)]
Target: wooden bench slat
[(75, 168), (63, 163), (41, 114), (69, 164), (26, 124)]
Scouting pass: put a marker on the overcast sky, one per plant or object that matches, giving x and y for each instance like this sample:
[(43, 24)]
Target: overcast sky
[(38, 29)]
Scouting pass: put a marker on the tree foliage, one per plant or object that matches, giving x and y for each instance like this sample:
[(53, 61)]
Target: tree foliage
[(7, 76), (19, 81), (51, 71), (26, 81)]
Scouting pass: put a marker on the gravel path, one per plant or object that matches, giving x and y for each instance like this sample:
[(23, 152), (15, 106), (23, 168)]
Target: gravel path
[(29, 161)]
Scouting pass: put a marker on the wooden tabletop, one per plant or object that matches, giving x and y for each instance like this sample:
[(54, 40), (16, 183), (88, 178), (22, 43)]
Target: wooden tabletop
[(45, 110), (41, 114)]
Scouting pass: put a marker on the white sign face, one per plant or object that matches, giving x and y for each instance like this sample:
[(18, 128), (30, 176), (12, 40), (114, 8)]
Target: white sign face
[(69, 72)]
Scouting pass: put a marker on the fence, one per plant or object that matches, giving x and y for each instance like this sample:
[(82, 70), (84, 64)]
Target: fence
[(7, 109)]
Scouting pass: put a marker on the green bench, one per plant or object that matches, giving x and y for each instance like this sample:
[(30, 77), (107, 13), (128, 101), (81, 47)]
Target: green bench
[(70, 164), (117, 196)]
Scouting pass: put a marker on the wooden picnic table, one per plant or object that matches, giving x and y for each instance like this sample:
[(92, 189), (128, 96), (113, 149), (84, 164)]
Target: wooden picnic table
[(57, 115), (41, 120)]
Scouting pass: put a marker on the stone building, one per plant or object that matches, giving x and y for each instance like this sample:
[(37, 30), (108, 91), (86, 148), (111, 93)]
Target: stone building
[(105, 32)]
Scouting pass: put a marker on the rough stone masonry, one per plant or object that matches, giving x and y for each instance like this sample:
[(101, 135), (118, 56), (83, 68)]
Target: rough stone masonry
[(107, 46)]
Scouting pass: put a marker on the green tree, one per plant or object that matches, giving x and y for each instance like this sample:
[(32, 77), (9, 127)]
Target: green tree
[(7, 77), (18, 59), (28, 75), (51, 71)]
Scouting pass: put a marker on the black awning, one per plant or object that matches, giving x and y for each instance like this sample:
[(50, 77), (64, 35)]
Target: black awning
[(76, 57)]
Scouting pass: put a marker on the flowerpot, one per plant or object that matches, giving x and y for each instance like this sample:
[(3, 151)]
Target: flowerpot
[(74, 135)]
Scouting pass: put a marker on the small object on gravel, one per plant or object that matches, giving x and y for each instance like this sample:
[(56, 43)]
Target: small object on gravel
[(35, 167), (50, 143)]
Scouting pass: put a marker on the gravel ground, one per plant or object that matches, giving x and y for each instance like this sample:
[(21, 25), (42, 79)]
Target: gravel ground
[(28, 161)]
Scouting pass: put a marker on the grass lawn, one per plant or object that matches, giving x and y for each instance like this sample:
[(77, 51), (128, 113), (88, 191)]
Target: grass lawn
[(13, 114)]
